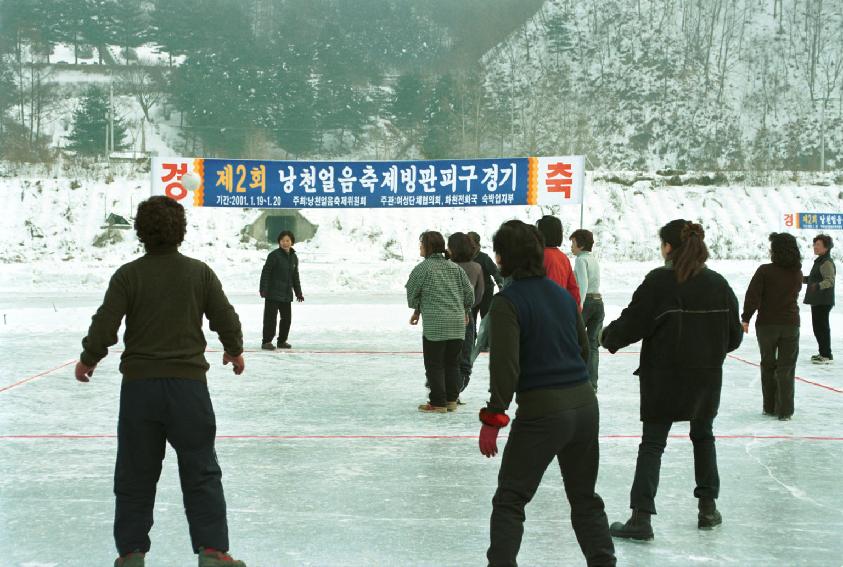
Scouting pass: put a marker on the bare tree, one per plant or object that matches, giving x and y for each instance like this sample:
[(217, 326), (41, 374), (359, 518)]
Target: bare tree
[(144, 86)]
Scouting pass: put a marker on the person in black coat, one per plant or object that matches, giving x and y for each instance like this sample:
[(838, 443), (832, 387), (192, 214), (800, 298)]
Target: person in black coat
[(279, 279), (687, 317), (820, 296), (490, 273)]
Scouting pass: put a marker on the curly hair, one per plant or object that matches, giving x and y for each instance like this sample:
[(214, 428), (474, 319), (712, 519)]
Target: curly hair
[(521, 250), (827, 241), (160, 222), (784, 251)]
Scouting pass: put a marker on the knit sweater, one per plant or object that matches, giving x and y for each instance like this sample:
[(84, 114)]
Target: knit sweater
[(163, 296)]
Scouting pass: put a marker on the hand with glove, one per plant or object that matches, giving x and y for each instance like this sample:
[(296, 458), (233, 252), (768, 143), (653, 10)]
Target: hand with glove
[(299, 298), (492, 423)]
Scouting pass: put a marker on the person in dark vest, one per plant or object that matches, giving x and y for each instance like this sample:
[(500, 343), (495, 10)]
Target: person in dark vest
[(164, 395), (687, 317), (774, 293), (460, 250), (820, 296), (537, 355), (490, 275), (279, 279)]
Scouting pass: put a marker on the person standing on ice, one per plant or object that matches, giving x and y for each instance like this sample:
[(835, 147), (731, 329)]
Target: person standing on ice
[(279, 279), (538, 352), (491, 277), (774, 293), (687, 317), (461, 250), (440, 293), (587, 273), (556, 263), (820, 296), (164, 395)]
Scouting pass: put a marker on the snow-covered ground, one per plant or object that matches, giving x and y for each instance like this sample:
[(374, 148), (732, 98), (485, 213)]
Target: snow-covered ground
[(326, 462)]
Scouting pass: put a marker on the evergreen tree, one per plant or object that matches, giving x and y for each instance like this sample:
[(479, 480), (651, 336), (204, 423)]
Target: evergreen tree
[(442, 128), (410, 101), (90, 124)]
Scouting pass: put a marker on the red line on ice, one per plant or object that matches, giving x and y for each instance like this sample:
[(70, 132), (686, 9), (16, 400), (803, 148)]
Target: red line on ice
[(25, 380), (811, 382), (413, 437)]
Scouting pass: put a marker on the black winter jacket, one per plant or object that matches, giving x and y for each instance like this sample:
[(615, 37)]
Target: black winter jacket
[(687, 329), (280, 276)]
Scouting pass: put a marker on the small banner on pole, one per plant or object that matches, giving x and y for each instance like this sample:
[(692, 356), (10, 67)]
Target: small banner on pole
[(813, 221), (236, 183)]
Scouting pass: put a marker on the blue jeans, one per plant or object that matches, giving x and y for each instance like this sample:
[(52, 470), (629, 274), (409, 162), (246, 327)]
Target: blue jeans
[(592, 315)]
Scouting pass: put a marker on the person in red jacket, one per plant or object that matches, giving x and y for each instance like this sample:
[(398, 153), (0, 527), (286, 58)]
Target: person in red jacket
[(556, 263)]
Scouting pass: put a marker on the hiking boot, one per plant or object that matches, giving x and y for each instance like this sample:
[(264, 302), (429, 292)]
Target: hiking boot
[(636, 527), (209, 557), (822, 360), (452, 406), (284, 345), (708, 516), (133, 559), (268, 346), (428, 408)]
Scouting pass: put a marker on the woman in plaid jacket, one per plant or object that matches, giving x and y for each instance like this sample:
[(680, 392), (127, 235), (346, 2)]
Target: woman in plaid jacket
[(440, 293)]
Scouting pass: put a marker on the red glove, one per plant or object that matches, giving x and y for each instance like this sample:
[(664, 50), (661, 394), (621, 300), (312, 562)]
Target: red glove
[(492, 423), (263, 293), (489, 440)]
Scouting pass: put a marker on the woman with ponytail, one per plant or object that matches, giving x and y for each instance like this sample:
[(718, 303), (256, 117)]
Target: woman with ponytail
[(686, 316)]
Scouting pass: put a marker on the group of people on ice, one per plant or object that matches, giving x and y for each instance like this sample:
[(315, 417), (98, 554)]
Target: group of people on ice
[(543, 330)]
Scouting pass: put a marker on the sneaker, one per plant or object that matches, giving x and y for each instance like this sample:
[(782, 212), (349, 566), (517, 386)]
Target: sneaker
[(133, 559), (284, 345), (636, 527), (452, 406), (209, 557), (268, 346), (816, 357), (428, 408), (822, 360)]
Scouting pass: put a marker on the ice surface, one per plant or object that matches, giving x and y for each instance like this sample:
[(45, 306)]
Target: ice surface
[(326, 462)]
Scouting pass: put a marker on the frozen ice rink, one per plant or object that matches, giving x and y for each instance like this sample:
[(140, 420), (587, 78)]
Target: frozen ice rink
[(326, 461)]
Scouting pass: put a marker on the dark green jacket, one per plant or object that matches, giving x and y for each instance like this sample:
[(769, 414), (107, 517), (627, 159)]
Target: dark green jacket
[(163, 295), (280, 276), (821, 282)]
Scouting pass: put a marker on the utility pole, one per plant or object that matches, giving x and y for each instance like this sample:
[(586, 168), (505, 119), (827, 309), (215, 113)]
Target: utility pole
[(111, 111)]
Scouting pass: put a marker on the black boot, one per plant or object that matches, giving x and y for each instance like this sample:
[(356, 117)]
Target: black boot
[(636, 527), (708, 516)]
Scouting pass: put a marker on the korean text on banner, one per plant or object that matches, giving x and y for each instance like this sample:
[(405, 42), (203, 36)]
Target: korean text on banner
[(372, 184)]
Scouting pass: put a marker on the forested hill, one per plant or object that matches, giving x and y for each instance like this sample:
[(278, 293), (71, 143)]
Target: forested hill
[(753, 85)]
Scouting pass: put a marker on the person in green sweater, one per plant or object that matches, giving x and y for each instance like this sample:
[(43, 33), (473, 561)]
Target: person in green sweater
[(163, 296)]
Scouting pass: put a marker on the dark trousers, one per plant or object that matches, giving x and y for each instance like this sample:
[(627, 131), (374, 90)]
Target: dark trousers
[(592, 315), (466, 363), (270, 311), (779, 345), (653, 441), (571, 437), (153, 412), (442, 369), (822, 330)]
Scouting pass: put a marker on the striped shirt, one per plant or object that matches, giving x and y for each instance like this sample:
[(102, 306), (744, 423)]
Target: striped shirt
[(441, 291)]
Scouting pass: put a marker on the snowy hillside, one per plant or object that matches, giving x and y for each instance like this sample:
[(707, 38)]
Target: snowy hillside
[(52, 228)]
